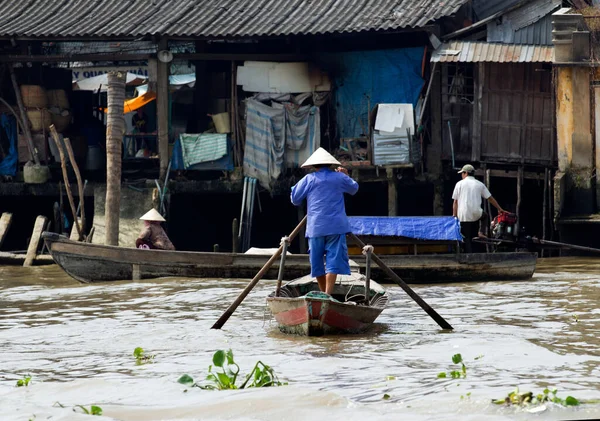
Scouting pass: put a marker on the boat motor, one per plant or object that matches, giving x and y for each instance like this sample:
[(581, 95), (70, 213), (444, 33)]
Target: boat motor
[(504, 226)]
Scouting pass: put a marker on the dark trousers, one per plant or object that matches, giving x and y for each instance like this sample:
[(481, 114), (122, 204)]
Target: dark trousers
[(472, 229)]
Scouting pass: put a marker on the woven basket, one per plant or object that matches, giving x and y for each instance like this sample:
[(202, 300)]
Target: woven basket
[(40, 119), (34, 96)]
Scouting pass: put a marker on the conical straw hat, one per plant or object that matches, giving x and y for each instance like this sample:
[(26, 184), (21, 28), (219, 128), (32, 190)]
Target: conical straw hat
[(321, 157), (152, 215)]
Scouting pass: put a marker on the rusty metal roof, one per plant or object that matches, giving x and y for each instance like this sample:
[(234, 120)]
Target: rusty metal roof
[(213, 18), (476, 52)]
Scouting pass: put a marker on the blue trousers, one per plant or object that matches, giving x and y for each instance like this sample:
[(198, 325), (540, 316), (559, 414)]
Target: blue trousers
[(328, 254)]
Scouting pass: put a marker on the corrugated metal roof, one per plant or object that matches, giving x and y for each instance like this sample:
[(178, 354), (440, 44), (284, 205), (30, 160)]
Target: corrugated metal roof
[(539, 33), (486, 8), (476, 52), (214, 18)]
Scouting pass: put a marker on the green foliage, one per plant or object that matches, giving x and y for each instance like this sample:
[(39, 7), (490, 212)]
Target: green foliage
[(528, 398), (455, 374), (223, 374), (141, 357), (94, 410), (386, 397), (24, 382)]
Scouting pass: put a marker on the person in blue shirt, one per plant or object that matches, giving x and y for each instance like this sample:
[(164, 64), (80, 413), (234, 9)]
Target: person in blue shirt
[(327, 223)]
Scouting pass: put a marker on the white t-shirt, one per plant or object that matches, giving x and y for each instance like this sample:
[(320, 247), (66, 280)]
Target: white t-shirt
[(468, 193)]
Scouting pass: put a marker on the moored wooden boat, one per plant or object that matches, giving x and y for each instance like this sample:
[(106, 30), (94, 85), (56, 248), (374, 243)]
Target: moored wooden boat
[(97, 263), (302, 309)]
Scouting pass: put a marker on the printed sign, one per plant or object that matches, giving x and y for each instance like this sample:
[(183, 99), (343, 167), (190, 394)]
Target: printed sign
[(80, 73)]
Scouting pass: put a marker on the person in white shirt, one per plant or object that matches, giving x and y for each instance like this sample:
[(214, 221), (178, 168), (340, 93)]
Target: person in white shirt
[(467, 197)]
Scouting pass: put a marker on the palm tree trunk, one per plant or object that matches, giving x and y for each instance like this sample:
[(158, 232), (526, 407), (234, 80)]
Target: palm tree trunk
[(115, 129)]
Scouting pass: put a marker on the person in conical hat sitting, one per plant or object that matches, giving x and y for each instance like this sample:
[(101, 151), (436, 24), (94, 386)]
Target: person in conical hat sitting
[(327, 223), (153, 236)]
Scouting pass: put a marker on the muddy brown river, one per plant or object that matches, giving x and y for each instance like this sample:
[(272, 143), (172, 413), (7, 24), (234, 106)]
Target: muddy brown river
[(76, 342)]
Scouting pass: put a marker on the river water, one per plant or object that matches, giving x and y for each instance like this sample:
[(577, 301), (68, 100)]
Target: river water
[(76, 342)]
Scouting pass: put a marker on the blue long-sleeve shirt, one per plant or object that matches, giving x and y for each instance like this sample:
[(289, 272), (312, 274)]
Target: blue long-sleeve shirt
[(324, 192)]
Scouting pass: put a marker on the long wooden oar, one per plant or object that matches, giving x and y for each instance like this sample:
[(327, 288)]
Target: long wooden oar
[(565, 245), (223, 319), (432, 313)]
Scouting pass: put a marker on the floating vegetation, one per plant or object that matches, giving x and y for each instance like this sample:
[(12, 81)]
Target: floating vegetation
[(225, 373), (141, 357), (455, 374), (528, 398), (386, 397), (93, 409), (24, 382)]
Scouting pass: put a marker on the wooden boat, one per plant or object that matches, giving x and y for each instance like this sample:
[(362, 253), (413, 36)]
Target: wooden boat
[(96, 263), (303, 310)]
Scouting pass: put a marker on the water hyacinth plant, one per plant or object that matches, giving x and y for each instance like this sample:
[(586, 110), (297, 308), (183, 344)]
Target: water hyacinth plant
[(141, 357), (455, 374), (24, 382), (223, 374), (528, 398)]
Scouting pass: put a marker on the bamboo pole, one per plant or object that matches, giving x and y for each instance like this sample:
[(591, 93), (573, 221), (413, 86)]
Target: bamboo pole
[(24, 118), (285, 245), (225, 316), (80, 185), (63, 164)]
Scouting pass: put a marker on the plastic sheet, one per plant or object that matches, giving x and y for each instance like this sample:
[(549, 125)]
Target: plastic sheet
[(441, 228)]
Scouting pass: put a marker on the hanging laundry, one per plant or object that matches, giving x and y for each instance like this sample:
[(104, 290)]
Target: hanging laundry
[(283, 135)]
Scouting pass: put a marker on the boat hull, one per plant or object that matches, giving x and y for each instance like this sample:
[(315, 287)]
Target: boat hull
[(97, 263), (318, 317), (302, 309)]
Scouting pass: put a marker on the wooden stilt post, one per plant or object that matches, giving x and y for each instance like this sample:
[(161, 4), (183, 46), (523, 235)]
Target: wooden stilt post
[(5, 222), (519, 185), (488, 206), (235, 227), (162, 109), (392, 193), (38, 228), (545, 206)]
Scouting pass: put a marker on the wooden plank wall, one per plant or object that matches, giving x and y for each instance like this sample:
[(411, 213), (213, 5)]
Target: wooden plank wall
[(517, 114)]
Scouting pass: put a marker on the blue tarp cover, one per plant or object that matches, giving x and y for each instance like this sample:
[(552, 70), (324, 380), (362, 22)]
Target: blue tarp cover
[(8, 165), (364, 79), (443, 228)]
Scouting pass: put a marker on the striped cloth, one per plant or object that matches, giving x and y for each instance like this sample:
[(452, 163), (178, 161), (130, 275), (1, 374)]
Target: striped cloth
[(197, 148), (283, 135)]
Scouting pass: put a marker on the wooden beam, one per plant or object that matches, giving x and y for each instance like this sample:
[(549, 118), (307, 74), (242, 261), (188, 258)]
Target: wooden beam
[(162, 110), (61, 58), (5, 222), (38, 228), (511, 174)]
